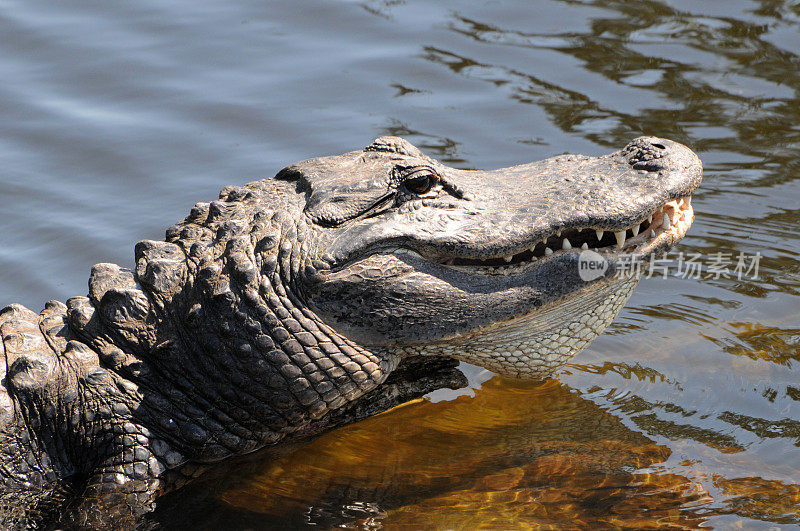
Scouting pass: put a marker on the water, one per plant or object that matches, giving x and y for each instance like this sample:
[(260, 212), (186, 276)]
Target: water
[(116, 117)]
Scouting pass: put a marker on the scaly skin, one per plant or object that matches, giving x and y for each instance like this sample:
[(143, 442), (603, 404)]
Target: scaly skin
[(280, 310)]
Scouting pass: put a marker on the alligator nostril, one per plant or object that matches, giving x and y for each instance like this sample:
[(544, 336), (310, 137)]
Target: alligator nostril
[(660, 146)]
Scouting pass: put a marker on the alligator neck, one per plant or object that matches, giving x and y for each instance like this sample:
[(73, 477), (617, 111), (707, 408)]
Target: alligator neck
[(210, 335)]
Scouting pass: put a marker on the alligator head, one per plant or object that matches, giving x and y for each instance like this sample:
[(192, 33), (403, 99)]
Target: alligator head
[(415, 257)]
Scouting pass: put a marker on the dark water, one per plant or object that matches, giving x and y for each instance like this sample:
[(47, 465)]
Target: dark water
[(116, 117)]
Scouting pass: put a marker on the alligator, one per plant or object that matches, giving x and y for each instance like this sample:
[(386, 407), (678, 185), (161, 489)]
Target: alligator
[(338, 288)]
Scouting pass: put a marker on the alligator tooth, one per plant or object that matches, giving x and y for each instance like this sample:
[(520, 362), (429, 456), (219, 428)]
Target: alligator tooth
[(548, 251), (688, 202), (635, 230), (652, 233), (599, 234), (620, 235), (650, 219), (666, 222), (566, 245), (508, 258), (558, 234), (585, 246)]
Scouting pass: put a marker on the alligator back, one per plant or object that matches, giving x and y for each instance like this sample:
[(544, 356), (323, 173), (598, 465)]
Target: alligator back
[(34, 465)]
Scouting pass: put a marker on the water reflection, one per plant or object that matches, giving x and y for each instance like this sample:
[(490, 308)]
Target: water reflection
[(769, 343), (515, 454)]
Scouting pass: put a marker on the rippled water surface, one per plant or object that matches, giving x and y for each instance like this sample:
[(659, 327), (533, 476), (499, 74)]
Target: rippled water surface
[(116, 117)]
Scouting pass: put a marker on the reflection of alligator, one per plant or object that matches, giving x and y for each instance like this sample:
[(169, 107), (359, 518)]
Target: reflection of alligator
[(516, 455), (266, 312)]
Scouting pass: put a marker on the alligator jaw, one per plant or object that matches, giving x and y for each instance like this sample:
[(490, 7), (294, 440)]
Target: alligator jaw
[(535, 344), (659, 231)]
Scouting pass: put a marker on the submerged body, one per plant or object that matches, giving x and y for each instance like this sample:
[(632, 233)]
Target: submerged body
[(284, 308)]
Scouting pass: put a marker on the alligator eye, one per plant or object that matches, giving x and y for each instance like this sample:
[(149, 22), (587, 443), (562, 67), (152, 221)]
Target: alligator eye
[(421, 184)]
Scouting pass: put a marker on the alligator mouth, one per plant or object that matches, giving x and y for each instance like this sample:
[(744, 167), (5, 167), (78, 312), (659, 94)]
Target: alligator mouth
[(659, 230)]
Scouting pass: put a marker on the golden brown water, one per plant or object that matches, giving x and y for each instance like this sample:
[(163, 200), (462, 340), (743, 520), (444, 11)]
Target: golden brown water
[(116, 117), (514, 455)]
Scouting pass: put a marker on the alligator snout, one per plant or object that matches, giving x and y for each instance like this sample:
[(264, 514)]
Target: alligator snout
[(651, 153)]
